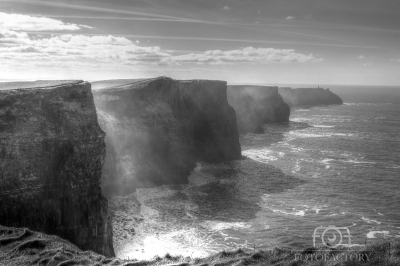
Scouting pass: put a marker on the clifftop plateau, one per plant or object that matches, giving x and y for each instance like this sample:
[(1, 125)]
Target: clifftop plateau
[(51, 155)]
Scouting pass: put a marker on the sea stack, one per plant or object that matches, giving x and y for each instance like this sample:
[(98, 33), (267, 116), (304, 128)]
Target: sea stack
[(158, 128), (307, 97), (256, 106), (51, 155)]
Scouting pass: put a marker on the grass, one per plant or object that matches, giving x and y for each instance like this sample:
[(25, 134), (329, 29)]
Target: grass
[(23, 247)]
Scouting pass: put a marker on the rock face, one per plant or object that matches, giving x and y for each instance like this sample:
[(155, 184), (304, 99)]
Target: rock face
[(309, 97), (256, 106), (158, 128), (51, 155)]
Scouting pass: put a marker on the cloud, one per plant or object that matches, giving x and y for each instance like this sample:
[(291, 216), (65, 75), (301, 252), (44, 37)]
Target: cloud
[(226, 7), (395, 60), (367, 64), (361, 57), (9, 36), (290, 17), (22, 50), (245, 55), (19, 22)]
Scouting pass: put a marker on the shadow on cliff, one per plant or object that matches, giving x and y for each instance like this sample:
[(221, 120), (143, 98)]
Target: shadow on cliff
[(237, 189)]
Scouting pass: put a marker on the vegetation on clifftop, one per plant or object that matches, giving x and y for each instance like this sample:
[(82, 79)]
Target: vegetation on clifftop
[(23, 247)]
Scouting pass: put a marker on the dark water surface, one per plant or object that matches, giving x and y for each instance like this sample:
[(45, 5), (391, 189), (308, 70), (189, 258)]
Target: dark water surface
[(336, 165)]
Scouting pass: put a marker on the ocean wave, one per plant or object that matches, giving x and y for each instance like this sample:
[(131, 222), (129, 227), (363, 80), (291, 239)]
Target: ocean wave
[(260, 155), (358, 162), (297, 167), (351, 104), (370, 221), (327, 160), (301, 119), (323, 126), (317, 209), (307, 135), (219, 226), (372, 234), (186, 242), (297, 149), (295, 212), (344, 134)]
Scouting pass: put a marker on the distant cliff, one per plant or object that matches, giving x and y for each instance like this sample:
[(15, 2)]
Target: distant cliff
[(257, 105), (309, 97), (158, 128), (51, 155)]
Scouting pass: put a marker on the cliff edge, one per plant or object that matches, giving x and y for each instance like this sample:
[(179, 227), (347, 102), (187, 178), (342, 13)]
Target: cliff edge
[(309, 97), (51, 155), (256, 106), (23, 247), (158, 128)]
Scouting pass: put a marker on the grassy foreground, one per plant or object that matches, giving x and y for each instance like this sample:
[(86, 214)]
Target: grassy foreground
[(21, 246)]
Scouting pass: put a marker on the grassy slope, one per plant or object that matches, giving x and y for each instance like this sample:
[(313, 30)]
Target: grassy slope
[(19, 246)]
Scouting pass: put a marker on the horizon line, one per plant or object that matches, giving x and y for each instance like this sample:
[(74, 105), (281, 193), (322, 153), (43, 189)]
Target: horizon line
[(228, 83)]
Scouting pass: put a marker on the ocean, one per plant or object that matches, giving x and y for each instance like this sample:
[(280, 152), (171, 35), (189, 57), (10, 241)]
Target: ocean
[(335, 167)]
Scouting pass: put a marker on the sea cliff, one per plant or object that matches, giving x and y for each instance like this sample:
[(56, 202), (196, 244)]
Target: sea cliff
[(309, 97), (158, 128), (51, 155), (256, 106)]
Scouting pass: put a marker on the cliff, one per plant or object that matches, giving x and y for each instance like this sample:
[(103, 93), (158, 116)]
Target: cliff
[(51, 155), (216, 136), (158, 128), (256, 106), (309, 97), (22, 247)]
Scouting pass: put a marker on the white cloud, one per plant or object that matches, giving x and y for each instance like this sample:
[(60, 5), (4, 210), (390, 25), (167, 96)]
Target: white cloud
[(367, 64), (361, 57), (395, 60), (9, 36), (19, 49), (19, 22), (245, 55), (93, 49), (290, 17), (226, 7)]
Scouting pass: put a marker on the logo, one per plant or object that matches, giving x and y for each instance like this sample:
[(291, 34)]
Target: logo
[(332, 236)]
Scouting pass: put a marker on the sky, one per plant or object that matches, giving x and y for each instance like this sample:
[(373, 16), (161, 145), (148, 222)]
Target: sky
[(354, 42)]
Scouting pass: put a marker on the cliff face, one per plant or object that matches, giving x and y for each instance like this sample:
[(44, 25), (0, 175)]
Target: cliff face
[(218, 121), (257, 105), (51, 155), (157, 129), (309, 97)]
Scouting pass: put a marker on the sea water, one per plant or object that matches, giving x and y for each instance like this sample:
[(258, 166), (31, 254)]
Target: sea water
[(330, 166)]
